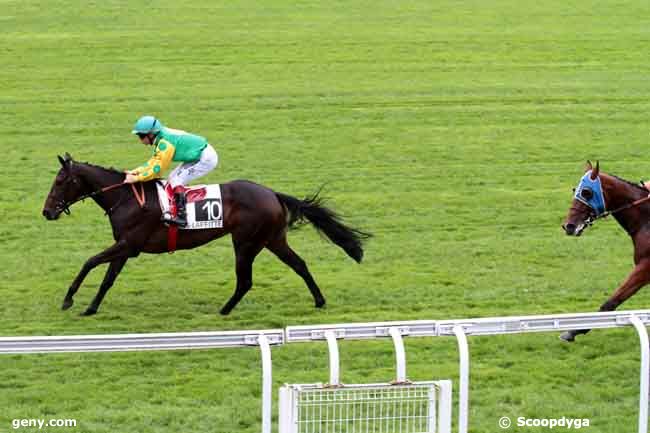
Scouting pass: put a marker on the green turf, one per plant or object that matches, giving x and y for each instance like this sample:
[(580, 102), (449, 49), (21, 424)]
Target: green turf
[(452, 130)]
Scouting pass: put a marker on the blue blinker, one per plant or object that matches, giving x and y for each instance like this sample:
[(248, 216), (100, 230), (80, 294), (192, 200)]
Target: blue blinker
[(590, 192)]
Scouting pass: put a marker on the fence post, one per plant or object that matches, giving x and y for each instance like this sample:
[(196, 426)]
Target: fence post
[(333, 349), (400, 356), (645, 372), (266, 383), (463, 389)]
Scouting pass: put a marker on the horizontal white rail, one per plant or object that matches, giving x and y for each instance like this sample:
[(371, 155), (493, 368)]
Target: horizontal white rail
[(292, 334), (359, 331), (545, 323), (136, 342), (478, 326)]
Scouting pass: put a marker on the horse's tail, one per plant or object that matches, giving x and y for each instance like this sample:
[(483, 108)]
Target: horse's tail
[(326, 221)]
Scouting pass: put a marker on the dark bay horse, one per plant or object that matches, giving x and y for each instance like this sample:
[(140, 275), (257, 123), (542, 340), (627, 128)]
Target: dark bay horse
[(254, 215), (598, 195)]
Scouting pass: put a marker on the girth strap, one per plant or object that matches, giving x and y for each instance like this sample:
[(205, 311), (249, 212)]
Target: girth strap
[(172, 236)]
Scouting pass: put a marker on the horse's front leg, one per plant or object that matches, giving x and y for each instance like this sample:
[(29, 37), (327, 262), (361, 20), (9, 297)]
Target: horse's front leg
[(639, 277), (117, 250), (111, 273)]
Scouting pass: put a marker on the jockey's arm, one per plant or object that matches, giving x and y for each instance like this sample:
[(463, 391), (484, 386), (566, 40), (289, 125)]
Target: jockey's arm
[(160, 161)]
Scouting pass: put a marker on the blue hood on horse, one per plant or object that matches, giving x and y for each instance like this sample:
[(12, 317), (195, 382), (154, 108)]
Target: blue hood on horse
[(590, 192)]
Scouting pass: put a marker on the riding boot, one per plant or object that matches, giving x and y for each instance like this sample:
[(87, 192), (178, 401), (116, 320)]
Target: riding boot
[(181, 215)]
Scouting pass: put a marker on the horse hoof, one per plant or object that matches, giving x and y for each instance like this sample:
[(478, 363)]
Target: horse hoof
[(67, 303), (224, 312), (569, 337), (320, 304), (89, 312)]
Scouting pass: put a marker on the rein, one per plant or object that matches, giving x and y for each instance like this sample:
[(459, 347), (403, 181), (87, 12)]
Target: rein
[(622, 208), (140, 197)]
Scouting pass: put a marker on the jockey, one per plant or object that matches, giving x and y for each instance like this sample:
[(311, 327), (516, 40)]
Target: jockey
[(196, 155)]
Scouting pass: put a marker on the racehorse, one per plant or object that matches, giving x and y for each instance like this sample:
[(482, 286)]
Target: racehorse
[(254, 215), (599, 195)]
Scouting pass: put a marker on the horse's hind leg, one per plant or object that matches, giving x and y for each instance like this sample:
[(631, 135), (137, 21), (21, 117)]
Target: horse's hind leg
[(283, 251), (245, 253), (639, 277)]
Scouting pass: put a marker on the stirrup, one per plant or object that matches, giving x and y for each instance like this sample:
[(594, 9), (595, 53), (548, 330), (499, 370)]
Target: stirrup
[(169, 219)]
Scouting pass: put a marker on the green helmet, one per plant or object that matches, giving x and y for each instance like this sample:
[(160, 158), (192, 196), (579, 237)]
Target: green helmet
[(147, 124)]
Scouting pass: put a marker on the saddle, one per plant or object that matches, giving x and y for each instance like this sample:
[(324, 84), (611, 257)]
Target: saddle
[(192, 194), (204, 208)]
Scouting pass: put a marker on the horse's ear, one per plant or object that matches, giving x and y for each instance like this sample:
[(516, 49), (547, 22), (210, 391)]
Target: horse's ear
[(64, 161), (588, 166), (67, 156), (595, 171)]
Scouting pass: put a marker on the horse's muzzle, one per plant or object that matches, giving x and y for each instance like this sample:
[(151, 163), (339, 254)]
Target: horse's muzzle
[(50, 215), (573, 230)]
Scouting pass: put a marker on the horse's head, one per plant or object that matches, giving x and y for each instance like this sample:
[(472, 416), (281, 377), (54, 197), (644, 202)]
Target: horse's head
[(588, 202), (66, 189)]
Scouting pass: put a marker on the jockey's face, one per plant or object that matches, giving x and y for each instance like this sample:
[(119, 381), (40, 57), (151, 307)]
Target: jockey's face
[(146, 138)]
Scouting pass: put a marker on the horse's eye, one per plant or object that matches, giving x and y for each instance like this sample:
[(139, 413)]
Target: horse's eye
[(587, 194)]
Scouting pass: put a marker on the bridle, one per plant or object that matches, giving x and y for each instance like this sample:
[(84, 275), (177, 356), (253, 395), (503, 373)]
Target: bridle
[(64, 206), (593, 217)]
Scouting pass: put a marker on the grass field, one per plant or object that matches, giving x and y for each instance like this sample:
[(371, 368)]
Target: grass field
[(452, 130)]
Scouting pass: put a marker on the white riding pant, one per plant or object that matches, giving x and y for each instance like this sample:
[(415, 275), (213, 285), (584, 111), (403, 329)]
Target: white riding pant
[(188, 171)]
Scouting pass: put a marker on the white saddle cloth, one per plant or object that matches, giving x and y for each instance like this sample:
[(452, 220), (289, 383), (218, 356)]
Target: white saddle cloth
[(204, 206)]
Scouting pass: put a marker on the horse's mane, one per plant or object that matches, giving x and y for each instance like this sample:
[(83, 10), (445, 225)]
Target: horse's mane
[(109, 169), (634, 184)]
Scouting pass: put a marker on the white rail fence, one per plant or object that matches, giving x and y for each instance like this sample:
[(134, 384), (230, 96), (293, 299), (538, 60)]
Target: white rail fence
[(264, 339)]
